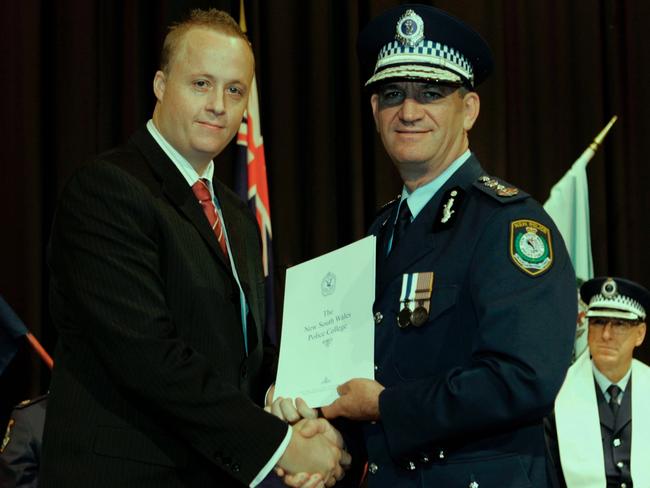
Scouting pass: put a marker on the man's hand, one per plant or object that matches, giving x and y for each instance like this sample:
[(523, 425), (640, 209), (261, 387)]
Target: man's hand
[(312, 450), (359, 400), (286, 409)]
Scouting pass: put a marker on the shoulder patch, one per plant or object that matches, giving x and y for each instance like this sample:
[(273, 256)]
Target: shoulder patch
[(499, 190), (531, 246)]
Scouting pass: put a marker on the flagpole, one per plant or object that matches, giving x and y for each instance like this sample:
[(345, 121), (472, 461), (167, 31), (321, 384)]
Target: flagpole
[(242, 19), (40, 350), (586, 156)]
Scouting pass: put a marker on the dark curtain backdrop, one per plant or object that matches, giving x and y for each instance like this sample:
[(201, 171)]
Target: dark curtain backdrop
[(76, 79)]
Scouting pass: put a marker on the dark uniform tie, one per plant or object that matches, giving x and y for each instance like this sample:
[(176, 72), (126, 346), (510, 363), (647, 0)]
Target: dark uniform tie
[(403, 220), (614, 391)]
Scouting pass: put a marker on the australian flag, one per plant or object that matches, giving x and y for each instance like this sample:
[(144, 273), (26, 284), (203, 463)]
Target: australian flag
[(12, 330), (250, 184)]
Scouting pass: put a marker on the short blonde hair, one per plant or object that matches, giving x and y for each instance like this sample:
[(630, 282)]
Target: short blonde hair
[(213, 19)]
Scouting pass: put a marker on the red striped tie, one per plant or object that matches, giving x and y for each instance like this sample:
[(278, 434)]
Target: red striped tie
[(201, 191)]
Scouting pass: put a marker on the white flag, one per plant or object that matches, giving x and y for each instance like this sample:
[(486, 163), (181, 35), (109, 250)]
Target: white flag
[(568, 206)]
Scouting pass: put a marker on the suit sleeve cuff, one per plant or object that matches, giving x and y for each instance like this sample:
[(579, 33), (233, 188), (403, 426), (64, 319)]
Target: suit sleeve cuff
[(264, 472)]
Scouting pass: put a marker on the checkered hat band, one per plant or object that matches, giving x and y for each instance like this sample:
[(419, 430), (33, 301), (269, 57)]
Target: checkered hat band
[(612, 314), (619, 302), (416, 72), (426, 52)]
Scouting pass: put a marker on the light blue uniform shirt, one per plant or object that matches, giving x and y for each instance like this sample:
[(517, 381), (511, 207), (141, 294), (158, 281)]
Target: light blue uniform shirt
[(421, 196), (604, 383)]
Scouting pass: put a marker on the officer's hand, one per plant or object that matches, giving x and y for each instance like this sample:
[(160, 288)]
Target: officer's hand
[(359, 400)]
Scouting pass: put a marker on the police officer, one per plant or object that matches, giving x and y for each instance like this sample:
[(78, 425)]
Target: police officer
[(475, 297), (597, 402), (21, 445)]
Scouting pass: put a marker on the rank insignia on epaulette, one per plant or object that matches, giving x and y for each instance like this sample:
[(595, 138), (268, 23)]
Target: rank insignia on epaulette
[(449, 207), (7, 437), (508, 191), (415, 299), (500, 189), (531, 248)]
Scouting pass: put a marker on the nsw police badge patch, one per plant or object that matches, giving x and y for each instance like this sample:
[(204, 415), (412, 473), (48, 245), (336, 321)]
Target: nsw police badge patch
[(530, 246)]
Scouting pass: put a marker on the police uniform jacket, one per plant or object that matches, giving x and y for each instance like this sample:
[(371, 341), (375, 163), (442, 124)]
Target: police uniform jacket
[(466, 392), (21, 446), (152, 386)]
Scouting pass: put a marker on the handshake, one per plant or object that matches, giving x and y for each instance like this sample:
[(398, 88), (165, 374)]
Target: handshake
[(315, 456)]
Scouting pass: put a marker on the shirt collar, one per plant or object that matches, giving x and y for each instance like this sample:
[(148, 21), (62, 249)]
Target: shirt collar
[(421, 196), (604, 382), (183, 165)]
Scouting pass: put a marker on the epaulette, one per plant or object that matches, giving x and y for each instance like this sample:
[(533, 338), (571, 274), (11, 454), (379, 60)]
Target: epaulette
[(499, 190), (388, 205), (31, 401)]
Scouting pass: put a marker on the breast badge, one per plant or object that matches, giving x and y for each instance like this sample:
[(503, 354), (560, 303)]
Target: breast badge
[(449, 208), (530, 246)]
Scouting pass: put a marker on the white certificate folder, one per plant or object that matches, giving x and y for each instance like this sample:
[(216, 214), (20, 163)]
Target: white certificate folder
[(328, 328)]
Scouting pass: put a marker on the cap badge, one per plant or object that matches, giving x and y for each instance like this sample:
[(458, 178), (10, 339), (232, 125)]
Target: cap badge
[(410, 29), (609, 288)]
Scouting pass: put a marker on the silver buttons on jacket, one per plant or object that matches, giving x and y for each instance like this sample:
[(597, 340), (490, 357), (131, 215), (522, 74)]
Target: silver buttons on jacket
[(373, 468), (378, 318)]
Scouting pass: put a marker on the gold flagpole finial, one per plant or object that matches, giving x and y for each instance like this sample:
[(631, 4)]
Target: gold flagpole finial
[(599, 138), (242, 18)]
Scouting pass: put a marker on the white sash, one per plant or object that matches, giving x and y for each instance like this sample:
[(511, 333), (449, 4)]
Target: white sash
[(578, 427), (640, 462)]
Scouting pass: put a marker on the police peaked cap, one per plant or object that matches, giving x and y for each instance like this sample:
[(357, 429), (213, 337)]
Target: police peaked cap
[(420, 42), (615, 297)]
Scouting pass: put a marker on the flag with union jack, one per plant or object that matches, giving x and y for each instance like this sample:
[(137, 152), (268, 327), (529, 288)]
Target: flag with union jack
[(251, 185)]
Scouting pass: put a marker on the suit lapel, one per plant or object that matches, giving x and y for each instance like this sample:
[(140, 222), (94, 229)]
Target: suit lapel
[(234, 223), (175, 187)]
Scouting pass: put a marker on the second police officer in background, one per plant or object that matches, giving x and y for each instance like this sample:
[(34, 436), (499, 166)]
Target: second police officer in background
[(590, 435)]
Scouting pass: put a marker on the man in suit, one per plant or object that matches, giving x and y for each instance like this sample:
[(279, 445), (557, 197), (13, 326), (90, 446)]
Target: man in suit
[(475, 297), (591, 437), (157, 294)]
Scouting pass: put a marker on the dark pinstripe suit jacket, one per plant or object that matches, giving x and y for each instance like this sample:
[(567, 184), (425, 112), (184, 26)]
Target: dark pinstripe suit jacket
[(151, 385)]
